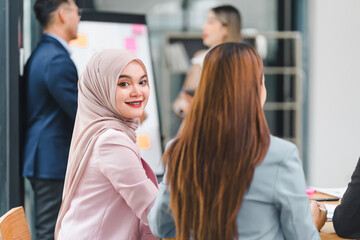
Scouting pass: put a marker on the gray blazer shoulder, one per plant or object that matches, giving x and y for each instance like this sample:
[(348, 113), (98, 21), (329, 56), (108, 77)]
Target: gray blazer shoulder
[(279, 147)]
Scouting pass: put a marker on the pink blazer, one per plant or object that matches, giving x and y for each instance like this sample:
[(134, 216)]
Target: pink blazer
[(115, 194)]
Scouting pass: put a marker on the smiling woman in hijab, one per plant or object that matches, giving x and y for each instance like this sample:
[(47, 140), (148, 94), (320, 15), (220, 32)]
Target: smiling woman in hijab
[(109, 189)]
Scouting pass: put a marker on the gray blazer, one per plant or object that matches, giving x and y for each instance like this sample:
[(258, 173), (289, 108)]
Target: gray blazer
[(275, 206)]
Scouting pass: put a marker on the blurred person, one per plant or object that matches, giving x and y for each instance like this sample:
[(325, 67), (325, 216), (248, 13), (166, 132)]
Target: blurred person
[(223, 24), (226, 176), (109, 189), (50, 86), (346, 217)]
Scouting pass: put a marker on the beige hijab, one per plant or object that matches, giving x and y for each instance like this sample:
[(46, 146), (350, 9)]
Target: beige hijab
[(96, 113)]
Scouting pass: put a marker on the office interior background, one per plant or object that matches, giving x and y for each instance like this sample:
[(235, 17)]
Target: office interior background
[(329, 53)]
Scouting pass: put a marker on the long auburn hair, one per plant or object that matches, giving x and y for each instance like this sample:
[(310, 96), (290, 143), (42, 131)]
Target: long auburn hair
[(211, 164)]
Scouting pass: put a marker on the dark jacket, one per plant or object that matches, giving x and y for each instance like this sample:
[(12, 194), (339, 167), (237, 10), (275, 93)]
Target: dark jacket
[(50, 83), (346, 217)]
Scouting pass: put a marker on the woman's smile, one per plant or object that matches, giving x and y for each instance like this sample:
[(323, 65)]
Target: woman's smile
[(135, 104)]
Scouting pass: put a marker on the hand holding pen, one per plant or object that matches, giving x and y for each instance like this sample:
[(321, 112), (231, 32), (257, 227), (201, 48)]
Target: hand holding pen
[(319, 214)]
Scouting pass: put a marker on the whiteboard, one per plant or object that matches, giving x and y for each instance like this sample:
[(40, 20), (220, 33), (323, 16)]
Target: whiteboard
[(100, 30)]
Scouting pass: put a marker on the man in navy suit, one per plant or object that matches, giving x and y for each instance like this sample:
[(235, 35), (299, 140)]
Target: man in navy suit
[(50, 82)]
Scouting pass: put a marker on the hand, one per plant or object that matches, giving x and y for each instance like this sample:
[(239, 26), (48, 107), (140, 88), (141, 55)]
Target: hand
[(182, 104), (319, 214)]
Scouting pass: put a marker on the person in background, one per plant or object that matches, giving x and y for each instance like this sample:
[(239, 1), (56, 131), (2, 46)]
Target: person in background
[(346, 217), (50, 87), (226, 176), (223, 24), (109, 189)]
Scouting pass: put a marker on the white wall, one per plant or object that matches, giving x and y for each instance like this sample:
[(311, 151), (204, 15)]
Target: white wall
[(334, 91)]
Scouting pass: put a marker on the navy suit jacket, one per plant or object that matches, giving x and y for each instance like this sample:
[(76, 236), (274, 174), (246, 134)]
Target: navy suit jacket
[(50, 79)]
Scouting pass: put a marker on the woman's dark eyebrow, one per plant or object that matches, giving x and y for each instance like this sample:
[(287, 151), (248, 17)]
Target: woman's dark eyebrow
[(124, 76), (127, 76)]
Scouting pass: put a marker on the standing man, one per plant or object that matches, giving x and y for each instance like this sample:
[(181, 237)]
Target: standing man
[(50, 80)]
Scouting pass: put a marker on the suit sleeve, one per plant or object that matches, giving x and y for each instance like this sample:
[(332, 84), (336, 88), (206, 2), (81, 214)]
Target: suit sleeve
[(346, 217), (291, 200), (124, 170), (161, 222), (62, 78)]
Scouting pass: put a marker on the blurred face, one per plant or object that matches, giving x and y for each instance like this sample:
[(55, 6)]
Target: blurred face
[(132, 92), (71, 19), (263, 91), (214, 32)]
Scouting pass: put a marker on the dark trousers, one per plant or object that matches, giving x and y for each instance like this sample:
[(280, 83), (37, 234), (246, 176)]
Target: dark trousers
[(48, 196)]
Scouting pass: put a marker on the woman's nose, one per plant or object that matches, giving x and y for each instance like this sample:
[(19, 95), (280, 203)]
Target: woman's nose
[(135, 92)]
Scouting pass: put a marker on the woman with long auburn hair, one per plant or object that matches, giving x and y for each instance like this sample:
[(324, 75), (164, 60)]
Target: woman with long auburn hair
[(227, 177)]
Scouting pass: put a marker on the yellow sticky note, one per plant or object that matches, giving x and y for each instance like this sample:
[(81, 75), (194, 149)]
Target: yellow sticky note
[(80, 41), (144, 141)]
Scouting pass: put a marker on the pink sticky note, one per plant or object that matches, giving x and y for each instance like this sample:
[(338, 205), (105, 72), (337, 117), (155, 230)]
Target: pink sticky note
[(131, 45), (138, 28), (310, 191)]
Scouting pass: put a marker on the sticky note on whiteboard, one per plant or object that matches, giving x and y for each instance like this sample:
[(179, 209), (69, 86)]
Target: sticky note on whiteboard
[(80, 41), (131, 45), (138, 28), (144, 141)]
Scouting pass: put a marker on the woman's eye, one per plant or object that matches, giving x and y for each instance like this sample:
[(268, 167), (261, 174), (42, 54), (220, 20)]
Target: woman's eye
[(123, 84), (143, 82)]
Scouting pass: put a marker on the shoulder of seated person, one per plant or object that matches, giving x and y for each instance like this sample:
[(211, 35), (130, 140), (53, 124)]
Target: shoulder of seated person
[(281, 142), (280, 148), (198, 53)]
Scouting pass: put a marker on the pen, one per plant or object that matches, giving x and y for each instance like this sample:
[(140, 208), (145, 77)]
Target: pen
[(324, 199), (322, 209)]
